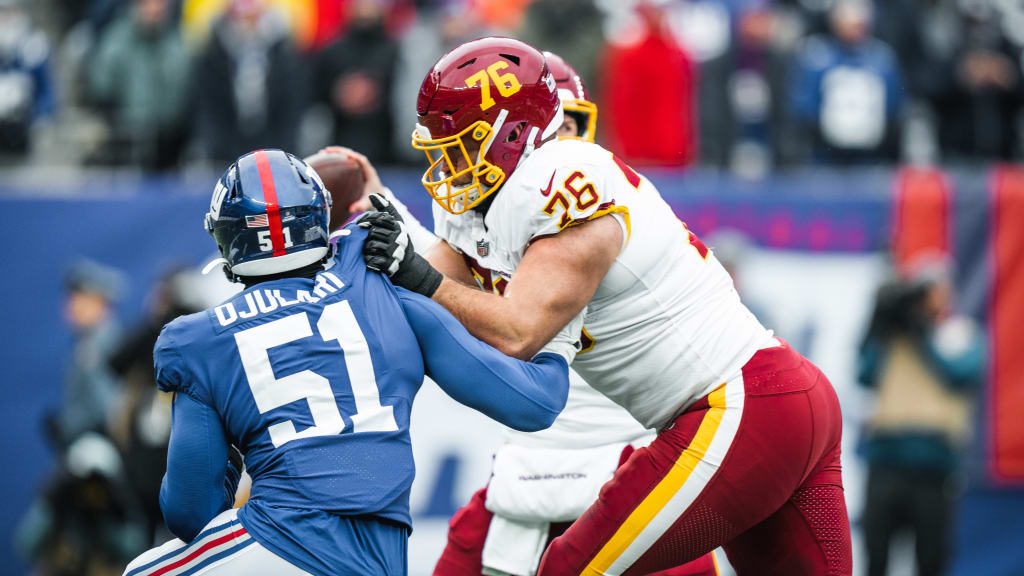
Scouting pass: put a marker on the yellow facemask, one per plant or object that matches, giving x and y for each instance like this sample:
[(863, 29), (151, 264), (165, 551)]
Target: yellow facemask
[(458, 177)]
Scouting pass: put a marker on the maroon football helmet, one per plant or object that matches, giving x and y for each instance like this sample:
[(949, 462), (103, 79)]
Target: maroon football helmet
[(575, 98), (482, 107)]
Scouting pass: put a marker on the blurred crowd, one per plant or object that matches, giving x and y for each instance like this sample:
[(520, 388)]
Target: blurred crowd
[(745, 85), (99, 508)]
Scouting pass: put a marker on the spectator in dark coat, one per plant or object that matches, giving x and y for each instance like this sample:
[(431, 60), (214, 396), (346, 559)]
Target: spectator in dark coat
[(979, 112), (249, 84), (139, 77), (963, 65), (742, 94), (354, 78)]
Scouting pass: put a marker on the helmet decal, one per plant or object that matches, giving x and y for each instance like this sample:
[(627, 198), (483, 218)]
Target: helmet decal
[(482, 108), (219, 192), (266, 173), (269, 213), (506, 84)]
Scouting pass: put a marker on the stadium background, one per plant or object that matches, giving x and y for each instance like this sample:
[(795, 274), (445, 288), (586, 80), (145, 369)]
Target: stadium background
[(821, 232)]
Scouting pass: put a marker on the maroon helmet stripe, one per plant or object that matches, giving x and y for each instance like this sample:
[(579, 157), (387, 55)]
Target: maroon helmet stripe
[(270, 197)]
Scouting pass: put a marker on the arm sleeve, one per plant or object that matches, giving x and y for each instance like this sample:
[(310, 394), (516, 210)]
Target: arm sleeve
[(194, 489), (524, 396)]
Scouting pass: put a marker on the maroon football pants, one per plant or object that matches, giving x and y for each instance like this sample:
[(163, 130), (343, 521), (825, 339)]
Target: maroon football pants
[(753, 467), (467, 531)]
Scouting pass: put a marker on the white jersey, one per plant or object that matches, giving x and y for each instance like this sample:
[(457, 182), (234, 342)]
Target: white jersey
[(589, 418), (665, 326)]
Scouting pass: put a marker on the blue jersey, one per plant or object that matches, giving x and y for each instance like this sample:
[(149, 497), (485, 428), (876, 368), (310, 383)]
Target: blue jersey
[(313, 380)]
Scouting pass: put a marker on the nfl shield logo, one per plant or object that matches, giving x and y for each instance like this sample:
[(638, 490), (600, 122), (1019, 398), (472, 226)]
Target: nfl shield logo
[(483, 248)]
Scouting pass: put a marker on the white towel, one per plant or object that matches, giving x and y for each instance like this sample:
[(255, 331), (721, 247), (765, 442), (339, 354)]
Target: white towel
[(514, 548), (548, 484)]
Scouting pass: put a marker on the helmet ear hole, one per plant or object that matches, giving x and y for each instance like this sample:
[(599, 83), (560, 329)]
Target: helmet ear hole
[(515, 133)]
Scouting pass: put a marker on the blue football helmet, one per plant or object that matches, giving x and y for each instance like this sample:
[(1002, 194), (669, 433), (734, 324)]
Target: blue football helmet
[(270, 213)]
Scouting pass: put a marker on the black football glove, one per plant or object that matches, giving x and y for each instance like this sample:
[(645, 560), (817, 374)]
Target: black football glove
[(388, 250)]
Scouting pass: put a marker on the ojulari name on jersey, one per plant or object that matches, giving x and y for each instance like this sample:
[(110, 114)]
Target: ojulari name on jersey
[(266, 301)]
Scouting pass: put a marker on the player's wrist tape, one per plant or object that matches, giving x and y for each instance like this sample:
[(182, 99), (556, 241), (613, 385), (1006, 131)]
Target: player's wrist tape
[(416, 274), (389, 250)]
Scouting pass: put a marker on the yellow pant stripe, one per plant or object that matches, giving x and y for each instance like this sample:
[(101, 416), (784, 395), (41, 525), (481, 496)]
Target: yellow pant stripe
[(663, 492)]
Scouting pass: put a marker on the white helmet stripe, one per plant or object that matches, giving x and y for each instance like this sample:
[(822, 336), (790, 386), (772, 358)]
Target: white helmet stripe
[(498, 123), (556, 122)]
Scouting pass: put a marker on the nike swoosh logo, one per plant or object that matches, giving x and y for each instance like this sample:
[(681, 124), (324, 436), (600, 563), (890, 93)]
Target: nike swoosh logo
[(547, 191)]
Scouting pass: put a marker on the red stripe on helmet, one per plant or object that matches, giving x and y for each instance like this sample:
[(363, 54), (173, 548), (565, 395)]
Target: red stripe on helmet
[(270, 197)]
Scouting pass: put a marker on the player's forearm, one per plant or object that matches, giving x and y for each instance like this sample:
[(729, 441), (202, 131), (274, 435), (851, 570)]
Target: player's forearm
[(193, 490), (553, 284), (525, 396), (447, 261), (184, 519), (501, 322)]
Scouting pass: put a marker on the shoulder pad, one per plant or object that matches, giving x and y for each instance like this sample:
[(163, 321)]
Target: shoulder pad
[(570, 184)]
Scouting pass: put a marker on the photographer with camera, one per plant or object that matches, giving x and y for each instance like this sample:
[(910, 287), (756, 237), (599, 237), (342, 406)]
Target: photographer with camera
[(923, 363)]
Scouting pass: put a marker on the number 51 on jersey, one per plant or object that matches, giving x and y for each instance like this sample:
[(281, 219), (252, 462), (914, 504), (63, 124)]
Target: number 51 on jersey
[(336, 322)]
